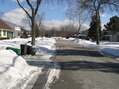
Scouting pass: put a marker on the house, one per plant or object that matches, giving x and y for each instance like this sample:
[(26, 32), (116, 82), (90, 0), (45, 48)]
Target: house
[(17, 29), (25, 33), (83, 35), (110, 36), (6, 31)]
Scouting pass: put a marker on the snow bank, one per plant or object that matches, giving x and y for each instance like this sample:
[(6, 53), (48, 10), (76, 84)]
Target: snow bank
[(48, 49), (13, 42), (53, 75), (110, 52), (45, 46), (106, 48), (13, 70)]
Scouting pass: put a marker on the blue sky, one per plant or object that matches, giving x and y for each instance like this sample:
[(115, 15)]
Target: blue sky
[(54, 14)]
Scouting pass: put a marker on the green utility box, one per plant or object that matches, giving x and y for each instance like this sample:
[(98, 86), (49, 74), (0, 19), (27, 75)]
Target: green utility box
[(18, 51)]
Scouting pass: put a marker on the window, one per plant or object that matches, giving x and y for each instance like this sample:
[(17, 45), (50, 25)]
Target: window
[(0, 32), (19, 34), (4, 33)]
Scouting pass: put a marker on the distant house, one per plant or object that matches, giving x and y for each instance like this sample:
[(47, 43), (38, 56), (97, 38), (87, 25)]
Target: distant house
[(109, 36), (5, 30), (17, 29), (25, 33), (83, 35)]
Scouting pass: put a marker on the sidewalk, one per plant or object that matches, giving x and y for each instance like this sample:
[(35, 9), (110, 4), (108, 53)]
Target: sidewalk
[(48, 67), (37, 61)]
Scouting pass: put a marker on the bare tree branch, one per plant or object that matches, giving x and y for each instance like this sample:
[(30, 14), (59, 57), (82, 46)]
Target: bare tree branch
[(24, 9), (32, 16), (29, 4), (38, 3)]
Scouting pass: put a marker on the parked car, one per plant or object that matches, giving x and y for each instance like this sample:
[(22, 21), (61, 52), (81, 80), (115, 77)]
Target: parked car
[(68, 36)]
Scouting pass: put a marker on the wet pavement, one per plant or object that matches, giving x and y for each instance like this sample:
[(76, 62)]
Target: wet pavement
[(84, 68), (81, 68)]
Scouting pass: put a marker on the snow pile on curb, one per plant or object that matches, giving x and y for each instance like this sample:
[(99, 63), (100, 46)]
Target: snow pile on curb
[(45, 47), (106, 48), (110, 51), (53, 75), (15, 73), (15, 43), (13, 69)]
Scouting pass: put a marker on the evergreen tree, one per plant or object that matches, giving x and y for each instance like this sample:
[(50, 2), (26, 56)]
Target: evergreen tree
[(92, 30), (113, 26), (95, 7)]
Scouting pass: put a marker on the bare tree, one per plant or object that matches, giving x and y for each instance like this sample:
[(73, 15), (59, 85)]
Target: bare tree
[(33, 6), (77, 14), (95, 7), (39, 24)]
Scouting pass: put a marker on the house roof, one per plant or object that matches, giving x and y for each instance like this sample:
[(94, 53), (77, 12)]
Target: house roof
[(25, 30), (12, 25), (3, 25)]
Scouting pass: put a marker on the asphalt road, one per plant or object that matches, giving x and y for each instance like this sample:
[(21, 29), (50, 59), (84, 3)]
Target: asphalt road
[(84, 68)]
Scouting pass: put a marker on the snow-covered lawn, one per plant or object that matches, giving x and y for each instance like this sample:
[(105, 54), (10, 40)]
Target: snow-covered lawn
[(106, 48), (13, 68)]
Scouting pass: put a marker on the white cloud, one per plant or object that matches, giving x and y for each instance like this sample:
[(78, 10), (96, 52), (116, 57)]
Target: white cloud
[(84, 27), (55, 23), (103, 15), (66, 8), (15, 16), (58, 23)]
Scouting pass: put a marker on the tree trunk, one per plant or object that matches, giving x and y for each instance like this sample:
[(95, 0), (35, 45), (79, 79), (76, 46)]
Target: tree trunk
[(33, 29), (97, 27)]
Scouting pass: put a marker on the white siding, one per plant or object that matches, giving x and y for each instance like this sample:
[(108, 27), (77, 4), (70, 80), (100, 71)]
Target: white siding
[(3, 33)]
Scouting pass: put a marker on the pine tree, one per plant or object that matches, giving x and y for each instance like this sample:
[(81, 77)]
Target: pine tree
[(113, 26), (92, 30)]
